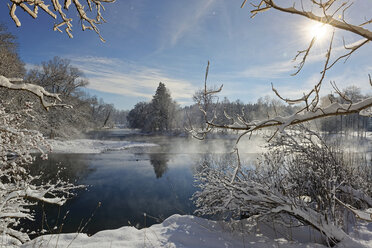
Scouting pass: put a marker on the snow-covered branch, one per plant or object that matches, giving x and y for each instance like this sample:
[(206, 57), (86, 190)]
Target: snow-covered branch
[(310, 101), (34, 89), (246, 197), (59, 10), (333, 109), (310, 112), (301, 175), (325, 18)]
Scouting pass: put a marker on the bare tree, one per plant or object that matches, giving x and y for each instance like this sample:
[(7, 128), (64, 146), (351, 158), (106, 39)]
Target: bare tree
[(60, 7), (10, 63), (310, 101), (57, 76)]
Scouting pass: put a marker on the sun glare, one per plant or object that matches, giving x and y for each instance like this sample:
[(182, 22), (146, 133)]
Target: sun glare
[(318, 30)]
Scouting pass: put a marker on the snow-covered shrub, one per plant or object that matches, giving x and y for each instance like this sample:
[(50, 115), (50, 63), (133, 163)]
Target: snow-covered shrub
[(18, 188), (300, 176), (326, 175)]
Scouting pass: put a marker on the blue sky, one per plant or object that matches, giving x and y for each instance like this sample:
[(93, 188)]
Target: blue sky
[(172, 40)]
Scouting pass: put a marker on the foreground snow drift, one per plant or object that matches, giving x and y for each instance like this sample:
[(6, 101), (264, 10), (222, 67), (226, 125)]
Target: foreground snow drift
[(93, 146), (192, 232)]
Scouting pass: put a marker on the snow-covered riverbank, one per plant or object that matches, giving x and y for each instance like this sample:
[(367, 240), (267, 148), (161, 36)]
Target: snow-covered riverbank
[(93, 146), (193, 232)]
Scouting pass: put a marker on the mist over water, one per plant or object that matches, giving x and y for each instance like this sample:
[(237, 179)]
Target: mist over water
[(189, 145), (156, 180)]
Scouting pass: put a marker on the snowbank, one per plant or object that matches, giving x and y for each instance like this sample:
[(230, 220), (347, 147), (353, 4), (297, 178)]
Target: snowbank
[(93, 146), (192, 232)]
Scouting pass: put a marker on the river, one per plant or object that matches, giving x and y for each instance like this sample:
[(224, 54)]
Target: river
[(124, 185)]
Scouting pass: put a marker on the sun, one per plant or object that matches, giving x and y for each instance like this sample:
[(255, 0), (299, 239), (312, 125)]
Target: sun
[(318, 30)]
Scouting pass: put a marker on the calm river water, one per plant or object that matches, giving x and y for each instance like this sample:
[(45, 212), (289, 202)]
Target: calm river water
[(126, 184)]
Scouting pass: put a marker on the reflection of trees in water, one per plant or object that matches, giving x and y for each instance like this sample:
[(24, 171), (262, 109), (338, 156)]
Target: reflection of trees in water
[(159, 162)]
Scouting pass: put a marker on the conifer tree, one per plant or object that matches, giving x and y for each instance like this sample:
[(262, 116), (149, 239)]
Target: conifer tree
[(163, 109)]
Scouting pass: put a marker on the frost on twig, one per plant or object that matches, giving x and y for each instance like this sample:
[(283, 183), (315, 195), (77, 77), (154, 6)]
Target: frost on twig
[(59, 10), (34, 89)]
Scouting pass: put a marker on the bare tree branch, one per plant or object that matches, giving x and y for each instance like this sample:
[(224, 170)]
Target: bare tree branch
[(306, 53), (283, 122), (326, 18), (311, 110)]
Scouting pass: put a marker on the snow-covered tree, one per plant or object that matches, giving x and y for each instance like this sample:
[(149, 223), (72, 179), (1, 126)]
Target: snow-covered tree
[(58, 76), (300, 176), (332, 13), (18, 188), (304, 179)]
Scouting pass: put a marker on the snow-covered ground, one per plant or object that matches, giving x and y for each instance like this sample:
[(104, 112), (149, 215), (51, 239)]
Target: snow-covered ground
[(193, 232), (93, 146)]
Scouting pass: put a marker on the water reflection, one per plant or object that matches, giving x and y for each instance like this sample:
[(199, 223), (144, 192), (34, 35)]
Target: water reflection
[(159, 162), (124, 183)]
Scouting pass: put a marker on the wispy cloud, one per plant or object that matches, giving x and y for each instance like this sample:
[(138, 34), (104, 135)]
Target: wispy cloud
[(273, 70), (188, 21), (128, 79)]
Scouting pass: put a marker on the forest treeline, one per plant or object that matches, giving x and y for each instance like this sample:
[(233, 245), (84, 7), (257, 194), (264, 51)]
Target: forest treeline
[(57, 76), (163, 114)]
